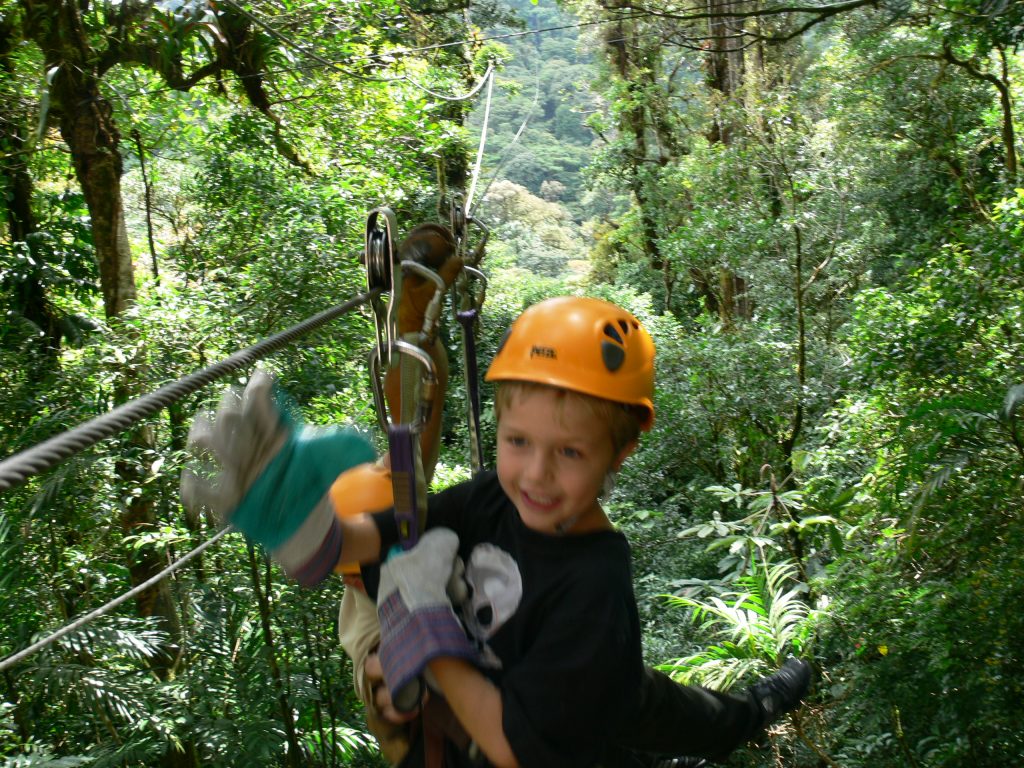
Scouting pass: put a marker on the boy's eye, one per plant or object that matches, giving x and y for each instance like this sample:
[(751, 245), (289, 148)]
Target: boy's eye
[(515, 441), (571, 453)]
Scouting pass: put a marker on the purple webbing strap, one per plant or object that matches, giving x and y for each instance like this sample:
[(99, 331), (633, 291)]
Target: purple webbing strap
[(466, 320), (402, 446)]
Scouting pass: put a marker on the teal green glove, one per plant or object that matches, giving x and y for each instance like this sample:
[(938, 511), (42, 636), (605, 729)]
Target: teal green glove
[(273, 475)]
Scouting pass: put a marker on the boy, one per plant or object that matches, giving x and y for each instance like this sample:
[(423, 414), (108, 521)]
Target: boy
[(545, 667)]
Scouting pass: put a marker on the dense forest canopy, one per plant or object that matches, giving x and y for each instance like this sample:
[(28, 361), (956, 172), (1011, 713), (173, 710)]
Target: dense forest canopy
[(816, 208)]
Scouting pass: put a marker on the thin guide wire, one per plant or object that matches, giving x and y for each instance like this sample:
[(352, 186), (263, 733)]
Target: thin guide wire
[(81, 621)]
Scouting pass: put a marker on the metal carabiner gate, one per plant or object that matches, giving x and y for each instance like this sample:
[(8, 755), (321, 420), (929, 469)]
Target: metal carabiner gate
[(403, 439)]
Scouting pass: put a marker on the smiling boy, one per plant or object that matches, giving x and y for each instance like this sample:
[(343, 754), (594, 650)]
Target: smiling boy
[(541, 662)]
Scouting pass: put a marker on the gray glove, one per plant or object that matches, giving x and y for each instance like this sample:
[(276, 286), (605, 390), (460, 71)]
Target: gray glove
[(417, 621)]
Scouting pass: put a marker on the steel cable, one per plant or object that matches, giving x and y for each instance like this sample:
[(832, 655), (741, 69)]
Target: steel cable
[(16, 469)]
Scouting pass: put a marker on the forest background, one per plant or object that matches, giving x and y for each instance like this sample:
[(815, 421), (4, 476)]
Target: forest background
[(816, 208)]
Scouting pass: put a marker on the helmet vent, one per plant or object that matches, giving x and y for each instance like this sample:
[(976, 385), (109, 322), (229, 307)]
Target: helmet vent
[(625, 326), (610, 332), (612, 355)]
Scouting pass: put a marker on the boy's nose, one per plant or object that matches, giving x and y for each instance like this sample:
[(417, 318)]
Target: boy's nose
[(537, 466)]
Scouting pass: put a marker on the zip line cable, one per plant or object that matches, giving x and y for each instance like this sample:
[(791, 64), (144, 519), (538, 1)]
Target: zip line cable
[(277, 35), (465, 97), (16, 469), (480, 149), (81, 621), (289, 42), (507, 151), (440, 46)]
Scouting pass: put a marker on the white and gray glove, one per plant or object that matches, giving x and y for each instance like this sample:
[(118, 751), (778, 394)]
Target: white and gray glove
[(269, 476), (417, 620)]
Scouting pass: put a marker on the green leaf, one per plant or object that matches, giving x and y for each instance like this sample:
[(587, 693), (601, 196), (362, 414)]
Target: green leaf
[(836, 539)]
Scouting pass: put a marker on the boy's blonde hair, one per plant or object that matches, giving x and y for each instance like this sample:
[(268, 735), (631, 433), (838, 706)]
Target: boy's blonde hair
[(624, 421)]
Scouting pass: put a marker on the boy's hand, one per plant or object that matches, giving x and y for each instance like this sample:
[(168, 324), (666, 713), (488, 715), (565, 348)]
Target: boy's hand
[(382, 696), (417, 621), (268, 476)]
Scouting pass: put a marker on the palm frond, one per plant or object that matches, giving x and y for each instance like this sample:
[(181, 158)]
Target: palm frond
[(758, 625)]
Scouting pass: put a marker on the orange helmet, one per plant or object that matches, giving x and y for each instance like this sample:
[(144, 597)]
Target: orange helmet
[(584, 345), (364, 488)]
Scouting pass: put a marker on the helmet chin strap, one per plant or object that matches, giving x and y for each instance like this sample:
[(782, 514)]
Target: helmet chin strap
[(565, 526)]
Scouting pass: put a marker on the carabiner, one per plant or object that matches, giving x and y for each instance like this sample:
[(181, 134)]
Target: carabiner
[(407, 479), (432, 314), (428, 383), (478, 250), (478, 296)]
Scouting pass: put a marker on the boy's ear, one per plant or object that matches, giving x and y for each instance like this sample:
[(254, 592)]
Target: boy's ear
[(624, 454)]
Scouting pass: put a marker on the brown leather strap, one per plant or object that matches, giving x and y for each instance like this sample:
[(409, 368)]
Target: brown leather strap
[(440, 725), (433, 744)]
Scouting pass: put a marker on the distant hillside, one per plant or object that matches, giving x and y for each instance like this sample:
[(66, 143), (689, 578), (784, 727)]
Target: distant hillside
[(546, 80)]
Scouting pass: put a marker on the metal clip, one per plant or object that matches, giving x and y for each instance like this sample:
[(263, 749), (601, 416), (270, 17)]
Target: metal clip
[(457, 217), (407, 478), (478, 251), (379, 255), (432, 314), (428, 383), (478, 296)]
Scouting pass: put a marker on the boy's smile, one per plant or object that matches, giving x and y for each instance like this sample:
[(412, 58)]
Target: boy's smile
[(553, 456)]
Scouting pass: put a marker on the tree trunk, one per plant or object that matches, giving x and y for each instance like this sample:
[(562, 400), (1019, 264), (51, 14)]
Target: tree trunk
[(87, 125), (724, 74), (29, 295), (294, 757), (723, 63), (633, 123)]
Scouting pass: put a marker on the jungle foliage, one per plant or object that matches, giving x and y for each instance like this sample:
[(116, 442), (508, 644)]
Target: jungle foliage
[(818, 213)]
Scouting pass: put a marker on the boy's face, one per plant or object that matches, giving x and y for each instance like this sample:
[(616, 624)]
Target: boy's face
[(553, 456)]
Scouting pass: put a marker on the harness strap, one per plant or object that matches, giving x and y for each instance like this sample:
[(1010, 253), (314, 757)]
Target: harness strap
[(467, 320), (439, 725), (407, 480), (468, 315)]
